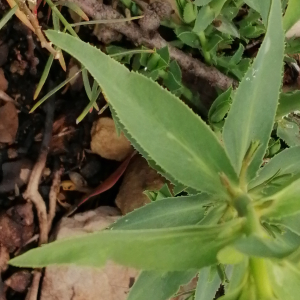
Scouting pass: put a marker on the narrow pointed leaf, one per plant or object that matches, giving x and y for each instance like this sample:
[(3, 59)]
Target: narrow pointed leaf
[(284, 163), (164, 213), (8, 16), (75, 8), (159, 286), (207, 14), (44, 76), (254, 105), (151, 115), (292, 14), (208, 284), (262, 6), (155, 249)]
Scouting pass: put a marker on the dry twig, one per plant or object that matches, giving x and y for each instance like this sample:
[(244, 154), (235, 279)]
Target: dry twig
[(32, 194), (53, 195), (133, 32), (34, 289)]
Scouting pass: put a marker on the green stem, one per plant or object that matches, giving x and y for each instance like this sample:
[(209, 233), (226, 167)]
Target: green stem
[(203, 42), (258, 265), (261, 278)]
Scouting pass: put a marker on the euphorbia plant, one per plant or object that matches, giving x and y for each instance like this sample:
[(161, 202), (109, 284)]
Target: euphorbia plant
[(239, 223)]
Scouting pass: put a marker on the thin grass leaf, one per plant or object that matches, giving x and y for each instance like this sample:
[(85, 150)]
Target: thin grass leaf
[(106, 21), (44, 76), (53, 91), (61, 17), (129, 52), (253, 110), (86, 111), (74, 7), (86, 84), (132, 95), (7, 16), (96, 90)]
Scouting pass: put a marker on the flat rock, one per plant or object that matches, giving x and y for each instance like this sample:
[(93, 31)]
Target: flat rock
[(106, 143), (83, 283)]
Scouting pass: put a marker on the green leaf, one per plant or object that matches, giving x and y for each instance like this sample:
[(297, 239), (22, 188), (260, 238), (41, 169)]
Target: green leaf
[(132, 95), (228, 27), (291, 222), (238, 55), (202, 2), (159, 286), (169, 212), (8, 16), (75, 7), (237, 275), (187, 36), (285, 202), (288, 102), (44, 76), (220, 107), (292, 46), (208, 284), (292, 14), (285, 279), (288, 131), (189, 12), (266, 247), (263, 7), (286, 162), (155, 249), (207, 14), (252, 114)]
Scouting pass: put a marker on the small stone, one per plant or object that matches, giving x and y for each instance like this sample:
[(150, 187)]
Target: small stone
[(19, 281), (106, 143), (111, 282), (137, 178)]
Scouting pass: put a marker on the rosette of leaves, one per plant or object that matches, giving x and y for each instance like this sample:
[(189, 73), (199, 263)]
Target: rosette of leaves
[(239, 227)]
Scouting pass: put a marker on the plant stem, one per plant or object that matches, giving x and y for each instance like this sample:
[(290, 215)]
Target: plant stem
[(258, 265), (261, 278), (203, 42)]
